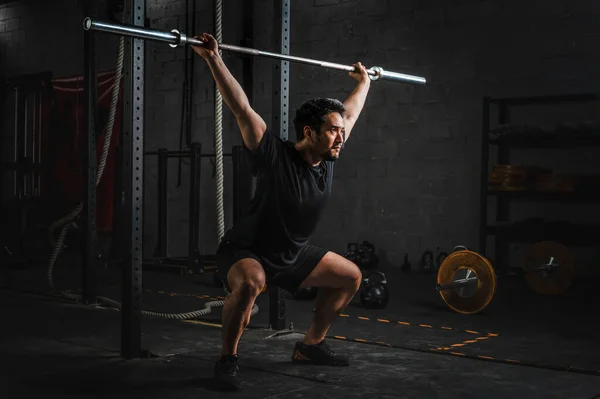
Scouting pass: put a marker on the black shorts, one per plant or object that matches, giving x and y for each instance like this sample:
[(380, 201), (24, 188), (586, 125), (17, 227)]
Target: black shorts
[(289, 279)]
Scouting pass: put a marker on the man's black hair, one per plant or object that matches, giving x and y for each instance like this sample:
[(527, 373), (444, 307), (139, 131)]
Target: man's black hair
[(312, 112)]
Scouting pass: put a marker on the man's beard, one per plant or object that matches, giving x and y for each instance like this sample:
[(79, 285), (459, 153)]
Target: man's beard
[(331, 155)]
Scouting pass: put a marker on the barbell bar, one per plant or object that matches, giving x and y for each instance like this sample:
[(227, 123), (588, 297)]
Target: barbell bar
[(176, 38), (458, 283)]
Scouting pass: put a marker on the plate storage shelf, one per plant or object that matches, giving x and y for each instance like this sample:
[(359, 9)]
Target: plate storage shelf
[(503, 183)]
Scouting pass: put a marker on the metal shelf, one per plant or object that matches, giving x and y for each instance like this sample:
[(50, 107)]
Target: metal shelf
[(566, 233), (547, 142), (508, 136), (574, 197)]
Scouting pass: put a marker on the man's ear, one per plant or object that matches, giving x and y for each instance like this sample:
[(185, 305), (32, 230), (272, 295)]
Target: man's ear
[(307, 131)]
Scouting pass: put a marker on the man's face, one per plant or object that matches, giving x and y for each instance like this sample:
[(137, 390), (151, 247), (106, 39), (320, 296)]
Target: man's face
[(328, 143)]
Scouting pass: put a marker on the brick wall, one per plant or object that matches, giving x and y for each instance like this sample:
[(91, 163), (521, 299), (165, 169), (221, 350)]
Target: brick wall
[(409, 178), (47, 36), (40, 36)]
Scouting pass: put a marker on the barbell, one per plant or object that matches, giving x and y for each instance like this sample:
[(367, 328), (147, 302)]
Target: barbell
[(176, 39), (549, 268), (467, 282)]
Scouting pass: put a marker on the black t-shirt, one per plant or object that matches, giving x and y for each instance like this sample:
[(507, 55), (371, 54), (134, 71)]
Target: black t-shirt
[(289, 199)]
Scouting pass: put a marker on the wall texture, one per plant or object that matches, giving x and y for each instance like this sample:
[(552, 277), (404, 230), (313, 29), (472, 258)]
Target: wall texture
[(409, 177), (40, 36), (23, 23)]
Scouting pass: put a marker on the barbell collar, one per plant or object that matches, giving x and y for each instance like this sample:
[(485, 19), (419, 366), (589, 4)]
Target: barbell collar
[(176, 39), (375, 73)]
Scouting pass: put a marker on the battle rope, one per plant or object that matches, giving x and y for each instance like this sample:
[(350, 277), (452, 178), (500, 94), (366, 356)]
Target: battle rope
[(68, 221), (219, 131)]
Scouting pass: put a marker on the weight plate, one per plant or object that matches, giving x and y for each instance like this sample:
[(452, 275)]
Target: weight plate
[(557, 280), (458, 265)]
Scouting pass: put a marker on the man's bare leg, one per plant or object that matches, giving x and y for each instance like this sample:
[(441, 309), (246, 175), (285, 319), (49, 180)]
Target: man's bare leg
[(246, 279), (329, 304), (338, 280)]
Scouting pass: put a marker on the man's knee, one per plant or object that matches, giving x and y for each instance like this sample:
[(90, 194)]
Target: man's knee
[(251, 286), (350, 274), (355, 277), (335, 271), (247, 279)]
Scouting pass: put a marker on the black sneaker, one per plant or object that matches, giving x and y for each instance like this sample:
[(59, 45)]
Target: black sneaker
[(320, 353), (226, 372)]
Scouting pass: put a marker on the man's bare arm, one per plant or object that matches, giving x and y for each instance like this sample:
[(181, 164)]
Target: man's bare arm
[(252, 125), (356, 100)]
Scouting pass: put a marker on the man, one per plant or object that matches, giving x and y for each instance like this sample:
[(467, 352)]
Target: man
[(270, 244)]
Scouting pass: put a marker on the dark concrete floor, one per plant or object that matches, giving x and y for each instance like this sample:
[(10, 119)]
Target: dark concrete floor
[(522, 345)]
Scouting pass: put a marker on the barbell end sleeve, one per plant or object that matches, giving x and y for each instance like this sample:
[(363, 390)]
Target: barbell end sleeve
[(402, 77), (87, 23), (137, 32), (185, 39), (378, 73)]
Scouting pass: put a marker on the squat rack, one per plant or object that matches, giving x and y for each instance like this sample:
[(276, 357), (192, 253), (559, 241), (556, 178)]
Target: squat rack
[(132, 152)]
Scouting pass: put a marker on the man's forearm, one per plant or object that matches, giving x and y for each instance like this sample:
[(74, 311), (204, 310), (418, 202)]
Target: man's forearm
[(231, 91), (356, 100)]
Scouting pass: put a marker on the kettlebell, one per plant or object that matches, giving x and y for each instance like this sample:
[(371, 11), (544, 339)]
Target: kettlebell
[(406, 265), (352, 252), (367, 257), (439, 259), (374, 293), (427, 262), (459, 248)]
